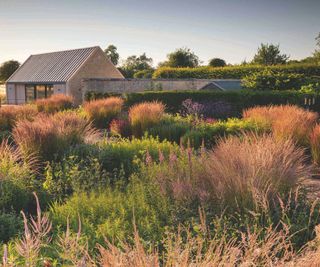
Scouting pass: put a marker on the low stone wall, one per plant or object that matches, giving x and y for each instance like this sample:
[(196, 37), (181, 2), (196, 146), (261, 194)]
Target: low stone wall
[(140, 85)]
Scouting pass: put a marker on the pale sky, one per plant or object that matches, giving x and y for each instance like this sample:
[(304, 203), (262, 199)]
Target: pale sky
[(229, 29)]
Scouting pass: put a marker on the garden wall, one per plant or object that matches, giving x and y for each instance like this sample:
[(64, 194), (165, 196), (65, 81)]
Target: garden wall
[(140, 85)]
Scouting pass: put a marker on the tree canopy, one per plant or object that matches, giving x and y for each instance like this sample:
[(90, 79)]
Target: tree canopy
[(269, 54), (182, 57), (134, 64), (7, 69), (217, 62), (112, 54)]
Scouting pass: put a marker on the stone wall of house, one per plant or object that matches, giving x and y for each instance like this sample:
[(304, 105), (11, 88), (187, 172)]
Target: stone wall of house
[(140, 85), (96, 66)]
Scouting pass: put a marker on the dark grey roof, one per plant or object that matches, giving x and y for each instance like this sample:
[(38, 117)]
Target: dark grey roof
[(51, 67), (223, 85)]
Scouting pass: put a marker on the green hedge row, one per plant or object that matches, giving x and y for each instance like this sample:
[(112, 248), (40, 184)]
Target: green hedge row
[(238, 100), (232, 72)]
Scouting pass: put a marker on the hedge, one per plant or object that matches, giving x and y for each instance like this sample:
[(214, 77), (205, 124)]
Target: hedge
[(232, 72), (238, 100)]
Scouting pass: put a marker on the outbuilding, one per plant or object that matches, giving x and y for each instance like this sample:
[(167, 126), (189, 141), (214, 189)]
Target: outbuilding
[(62, 72)]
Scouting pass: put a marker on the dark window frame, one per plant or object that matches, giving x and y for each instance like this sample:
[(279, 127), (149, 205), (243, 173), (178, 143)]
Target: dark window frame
[(35, 93)]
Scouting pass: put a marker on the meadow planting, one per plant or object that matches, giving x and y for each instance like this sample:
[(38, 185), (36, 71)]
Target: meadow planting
[(121, 182)]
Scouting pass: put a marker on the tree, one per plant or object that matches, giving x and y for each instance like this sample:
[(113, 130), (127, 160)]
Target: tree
[(182, 57), (7, 69), (316, 53), (112, 54), (269, 55), (217, 62), (135, 64)]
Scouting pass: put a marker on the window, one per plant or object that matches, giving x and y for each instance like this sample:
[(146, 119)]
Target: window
[(30, 93), (38, 91)]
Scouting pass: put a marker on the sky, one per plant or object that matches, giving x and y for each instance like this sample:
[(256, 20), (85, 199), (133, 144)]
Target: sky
[(229, 29)]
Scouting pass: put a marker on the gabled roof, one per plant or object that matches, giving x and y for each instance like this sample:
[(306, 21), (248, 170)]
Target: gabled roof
[(51, 67), (223, 85)]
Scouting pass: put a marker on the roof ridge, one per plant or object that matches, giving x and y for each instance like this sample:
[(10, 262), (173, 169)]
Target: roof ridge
[(68, 50)]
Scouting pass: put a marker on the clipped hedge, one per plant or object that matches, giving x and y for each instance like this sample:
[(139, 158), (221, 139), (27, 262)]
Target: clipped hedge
[(232, 72), (238, 100)]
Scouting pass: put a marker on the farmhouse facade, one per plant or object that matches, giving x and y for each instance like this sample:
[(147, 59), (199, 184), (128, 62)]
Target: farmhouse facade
[(43, 75)]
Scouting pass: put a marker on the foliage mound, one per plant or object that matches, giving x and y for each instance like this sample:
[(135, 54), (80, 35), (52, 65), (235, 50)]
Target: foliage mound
[(103, 111), (49, 136), (144, 115), (9, 115), (286, 121), (55, 103)]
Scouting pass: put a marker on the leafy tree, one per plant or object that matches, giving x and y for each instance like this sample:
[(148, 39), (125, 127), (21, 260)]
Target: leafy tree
[(134, 64), (217, 62), (112, 54), (8, 68), (182, 57), (269, 55)]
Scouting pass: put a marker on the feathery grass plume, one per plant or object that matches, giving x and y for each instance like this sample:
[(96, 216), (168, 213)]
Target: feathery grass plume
[(145, 115), (286, 121), (239, 171), (103, 111), (315, 144), (51, 135), (256, 248), (12, 164), (72, 249), (9, 115), (55, 103), (36, 236)]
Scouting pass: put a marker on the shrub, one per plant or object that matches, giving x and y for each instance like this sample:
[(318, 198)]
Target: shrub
[(16, 177), (72, 174), (237, 72), (55, 103), (171, 128), (120, 127), (311, 88), (109, 214), (10, 226), (122, 157), (209, 133), (49, 136), (143, 74), (270, 80), (145, 115), (103, 111), (286, 121), (207, 109), (9, 115)]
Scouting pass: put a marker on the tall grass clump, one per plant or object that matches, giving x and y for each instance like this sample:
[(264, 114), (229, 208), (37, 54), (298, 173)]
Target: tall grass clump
[(286, 121), (55, 103), (145, 115), (10, 114), (103, 111), (315, 144), (48, 136), (239, 172)]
